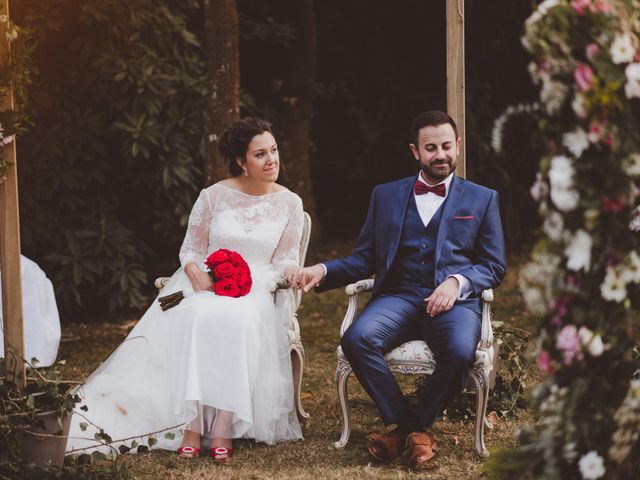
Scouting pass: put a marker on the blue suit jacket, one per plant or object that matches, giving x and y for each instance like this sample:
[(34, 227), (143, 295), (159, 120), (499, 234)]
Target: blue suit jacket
[(470, 239)]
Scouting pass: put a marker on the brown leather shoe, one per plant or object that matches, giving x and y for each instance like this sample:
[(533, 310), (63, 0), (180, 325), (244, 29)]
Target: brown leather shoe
[(420, 449), (386, 447)]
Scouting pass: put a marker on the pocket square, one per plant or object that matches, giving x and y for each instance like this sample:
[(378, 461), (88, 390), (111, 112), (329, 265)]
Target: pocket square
[(462, 217)]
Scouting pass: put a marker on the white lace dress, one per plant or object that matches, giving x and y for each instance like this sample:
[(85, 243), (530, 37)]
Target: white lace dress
[(209, 352)]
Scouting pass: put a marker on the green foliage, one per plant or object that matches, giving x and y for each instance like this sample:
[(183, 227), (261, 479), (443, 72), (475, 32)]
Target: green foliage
[(109, 172)]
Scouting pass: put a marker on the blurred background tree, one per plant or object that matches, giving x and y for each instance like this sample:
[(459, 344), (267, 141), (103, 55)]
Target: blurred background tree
[(116, 153)]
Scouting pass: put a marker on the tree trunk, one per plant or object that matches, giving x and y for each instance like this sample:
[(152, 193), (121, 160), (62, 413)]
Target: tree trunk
[(221, 33), (294, 100)]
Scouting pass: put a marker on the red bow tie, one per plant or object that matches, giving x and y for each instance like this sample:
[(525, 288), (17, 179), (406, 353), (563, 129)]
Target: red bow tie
[(421, 188)]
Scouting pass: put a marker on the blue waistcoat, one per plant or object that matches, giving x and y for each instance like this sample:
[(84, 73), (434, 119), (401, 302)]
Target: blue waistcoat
[(413, 265)]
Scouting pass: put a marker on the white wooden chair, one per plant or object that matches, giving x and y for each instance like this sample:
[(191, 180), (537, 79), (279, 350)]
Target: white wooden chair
[(295, 342), (416, 358)]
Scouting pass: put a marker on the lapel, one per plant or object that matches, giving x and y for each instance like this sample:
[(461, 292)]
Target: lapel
[(448, 209), (400, 202)]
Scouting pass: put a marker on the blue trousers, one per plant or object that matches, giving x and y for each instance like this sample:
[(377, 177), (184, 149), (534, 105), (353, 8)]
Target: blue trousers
[(392, 319)]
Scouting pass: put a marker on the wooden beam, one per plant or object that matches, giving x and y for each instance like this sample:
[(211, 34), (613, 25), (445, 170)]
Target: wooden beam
[(455, 73), (10, 243)]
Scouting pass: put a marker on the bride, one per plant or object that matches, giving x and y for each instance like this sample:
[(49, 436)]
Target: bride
[(215, 368)]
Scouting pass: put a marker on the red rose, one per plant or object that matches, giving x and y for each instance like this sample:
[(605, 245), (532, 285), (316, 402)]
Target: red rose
[(241, 276), (217, 257), (223, 270), (236, 259), (245, 289), (226, 288)]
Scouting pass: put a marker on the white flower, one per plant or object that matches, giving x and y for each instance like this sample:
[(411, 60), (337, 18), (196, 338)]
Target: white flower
[(561, 172), (553, 225), (576, 141), (594, 343), (552, 93), (634, 224), (613, 288), (591, 466), (622, 50), (578, 252), (8, 140), (631, 164), (596, 346), (579, 105), (632, 87), (563, 196), (565, 200), (539, 190), (630, 271)]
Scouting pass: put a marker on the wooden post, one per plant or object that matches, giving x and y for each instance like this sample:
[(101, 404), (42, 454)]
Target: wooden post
[(10, 244), (455, 73)]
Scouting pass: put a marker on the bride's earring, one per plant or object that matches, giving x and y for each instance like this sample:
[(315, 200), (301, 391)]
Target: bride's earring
[(244, 169)]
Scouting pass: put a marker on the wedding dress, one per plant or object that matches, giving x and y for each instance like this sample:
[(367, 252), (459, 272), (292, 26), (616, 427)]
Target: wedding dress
[(40, 314), (178, 367)]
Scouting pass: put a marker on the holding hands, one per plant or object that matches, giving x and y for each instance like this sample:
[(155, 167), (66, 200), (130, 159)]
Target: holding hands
[(304, 278)]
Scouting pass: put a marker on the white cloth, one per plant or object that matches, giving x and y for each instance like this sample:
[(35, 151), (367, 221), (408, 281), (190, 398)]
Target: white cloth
[(41, 321), (209, 352)]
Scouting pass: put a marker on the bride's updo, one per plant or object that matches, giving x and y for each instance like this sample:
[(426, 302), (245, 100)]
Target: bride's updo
[(235, 140)]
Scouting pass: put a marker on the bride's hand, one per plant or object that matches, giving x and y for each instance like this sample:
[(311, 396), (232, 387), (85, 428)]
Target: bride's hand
[(200, 281), (293, 275)]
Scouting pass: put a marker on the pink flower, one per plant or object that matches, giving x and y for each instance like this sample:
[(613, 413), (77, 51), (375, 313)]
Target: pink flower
[(540, 189), (568, 342), (592, 50), (581, 6), (544, 362), (603, 6), (583, 76)]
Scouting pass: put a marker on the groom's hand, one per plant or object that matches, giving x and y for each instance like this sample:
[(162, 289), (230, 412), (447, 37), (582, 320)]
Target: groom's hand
[(311, 276), (443, 297)]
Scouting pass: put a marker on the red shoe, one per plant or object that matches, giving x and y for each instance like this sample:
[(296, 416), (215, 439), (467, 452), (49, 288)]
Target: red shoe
[(188, 452), (221, 454)]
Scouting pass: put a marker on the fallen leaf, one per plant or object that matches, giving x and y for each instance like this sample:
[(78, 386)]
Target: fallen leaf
[(306, 395), (121, 410), (493, 418)]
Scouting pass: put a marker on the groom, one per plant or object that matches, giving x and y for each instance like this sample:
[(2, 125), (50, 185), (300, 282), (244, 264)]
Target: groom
[(434, 242)]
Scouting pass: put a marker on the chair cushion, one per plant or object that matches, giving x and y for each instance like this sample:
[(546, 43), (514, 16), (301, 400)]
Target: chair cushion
[(414, 351)]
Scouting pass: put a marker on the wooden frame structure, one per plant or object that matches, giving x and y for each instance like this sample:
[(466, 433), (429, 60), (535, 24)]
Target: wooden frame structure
[(10, 244), (9, 209)]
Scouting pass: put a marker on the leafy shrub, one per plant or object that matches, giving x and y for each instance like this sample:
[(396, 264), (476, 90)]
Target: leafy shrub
[(111, 166)]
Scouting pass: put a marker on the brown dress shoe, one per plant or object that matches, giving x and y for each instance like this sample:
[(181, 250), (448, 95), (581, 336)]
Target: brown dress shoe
[(420, 449), (386, 447)]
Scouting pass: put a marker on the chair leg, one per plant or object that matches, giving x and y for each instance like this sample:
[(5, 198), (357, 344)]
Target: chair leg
[(342, 375), (482, 396), (297, 366)]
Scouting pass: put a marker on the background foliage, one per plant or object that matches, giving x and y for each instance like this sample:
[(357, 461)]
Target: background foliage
[(110, 169)]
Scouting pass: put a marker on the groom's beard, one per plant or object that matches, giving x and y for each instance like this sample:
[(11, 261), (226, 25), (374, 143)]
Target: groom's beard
[(439, 173)]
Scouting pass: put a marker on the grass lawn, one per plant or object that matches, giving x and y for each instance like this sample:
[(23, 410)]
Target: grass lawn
[(84, 346)]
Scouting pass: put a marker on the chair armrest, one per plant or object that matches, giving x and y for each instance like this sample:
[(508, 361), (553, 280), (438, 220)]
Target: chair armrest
[(486, 334), (352, 290)]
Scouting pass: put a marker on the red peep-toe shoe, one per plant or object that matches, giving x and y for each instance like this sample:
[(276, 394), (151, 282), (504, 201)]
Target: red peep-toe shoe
[(221, 454), (188, 452)]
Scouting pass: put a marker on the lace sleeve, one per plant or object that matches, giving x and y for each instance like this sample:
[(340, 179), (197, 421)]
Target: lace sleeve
[(196, 241), (288, 249)]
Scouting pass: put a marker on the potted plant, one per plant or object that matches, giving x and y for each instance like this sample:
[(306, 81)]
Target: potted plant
[(34, 421)]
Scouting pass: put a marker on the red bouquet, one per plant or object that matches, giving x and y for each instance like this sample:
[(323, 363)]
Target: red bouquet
[(231, 274)]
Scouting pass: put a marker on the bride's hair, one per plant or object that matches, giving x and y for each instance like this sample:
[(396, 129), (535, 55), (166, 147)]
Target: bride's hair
[(235, 140)]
